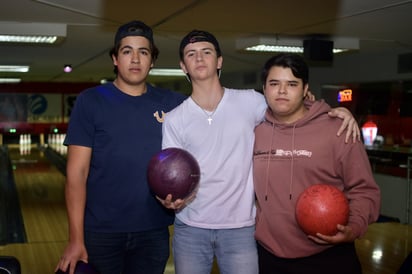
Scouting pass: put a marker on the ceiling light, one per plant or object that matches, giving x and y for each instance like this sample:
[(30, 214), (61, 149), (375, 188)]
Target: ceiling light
[(16, 32), (269, 48), (67, 68), (10, 80), (166, 72), (105, 80), (14, 68), (291, 49), (290, 44), (28, 39)]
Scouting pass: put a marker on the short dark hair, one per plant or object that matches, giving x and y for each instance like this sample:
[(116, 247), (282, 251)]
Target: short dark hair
[(293, 61), (134, 28), (199, 36)]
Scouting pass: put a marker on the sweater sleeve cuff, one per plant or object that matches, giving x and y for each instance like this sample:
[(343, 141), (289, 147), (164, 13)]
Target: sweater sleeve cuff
[(357, 229)]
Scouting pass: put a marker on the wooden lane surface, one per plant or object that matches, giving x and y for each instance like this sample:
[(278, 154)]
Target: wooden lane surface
[(41, 192), (384, 247), (40, 189)]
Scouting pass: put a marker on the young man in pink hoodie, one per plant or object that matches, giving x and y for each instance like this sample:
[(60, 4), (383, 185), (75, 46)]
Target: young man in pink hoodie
[(295, 147)]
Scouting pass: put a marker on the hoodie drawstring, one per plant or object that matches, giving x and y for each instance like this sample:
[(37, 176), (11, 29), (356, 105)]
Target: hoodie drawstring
[(292, 163), (268, 162)]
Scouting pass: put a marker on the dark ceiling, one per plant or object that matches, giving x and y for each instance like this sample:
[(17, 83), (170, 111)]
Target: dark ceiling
[(380, 26)]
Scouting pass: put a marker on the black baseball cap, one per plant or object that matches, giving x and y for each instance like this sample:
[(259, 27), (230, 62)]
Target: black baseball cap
[(134, 28), (199, 36)]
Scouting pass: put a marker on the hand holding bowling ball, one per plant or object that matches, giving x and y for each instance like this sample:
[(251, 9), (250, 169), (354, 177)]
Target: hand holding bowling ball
[(320, 208), (173, 171), (81, 268)]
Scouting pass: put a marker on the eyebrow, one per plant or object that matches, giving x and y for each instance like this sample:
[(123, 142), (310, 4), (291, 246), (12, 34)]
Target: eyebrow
[(130, 47), (289, 81)]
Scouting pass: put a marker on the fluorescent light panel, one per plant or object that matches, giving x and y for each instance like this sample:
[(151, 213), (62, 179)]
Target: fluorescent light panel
[(10, 80), (38, 39), (16, 32), (166, 72), (13, 68), (290, 44), (269, 48)]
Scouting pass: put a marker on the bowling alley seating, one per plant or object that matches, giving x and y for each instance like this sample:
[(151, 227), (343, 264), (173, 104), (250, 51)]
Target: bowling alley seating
[(9, 265)]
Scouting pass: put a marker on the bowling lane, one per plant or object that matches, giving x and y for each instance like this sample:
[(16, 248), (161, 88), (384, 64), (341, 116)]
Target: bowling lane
[(41, 192), (40, 188), (11, 222), (384, 247)]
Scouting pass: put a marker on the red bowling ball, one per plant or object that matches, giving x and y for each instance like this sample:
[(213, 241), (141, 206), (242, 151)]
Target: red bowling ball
[(320, 208), (173, 171)]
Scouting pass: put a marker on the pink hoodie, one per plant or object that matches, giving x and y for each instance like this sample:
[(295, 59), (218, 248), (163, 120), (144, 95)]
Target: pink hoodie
[(301, 154)]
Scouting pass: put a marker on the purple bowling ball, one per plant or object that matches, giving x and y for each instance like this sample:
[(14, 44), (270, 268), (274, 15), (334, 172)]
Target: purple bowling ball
[(81, 268), (173, 171)]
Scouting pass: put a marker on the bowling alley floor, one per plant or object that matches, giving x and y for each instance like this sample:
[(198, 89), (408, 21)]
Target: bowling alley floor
[(40, 190)]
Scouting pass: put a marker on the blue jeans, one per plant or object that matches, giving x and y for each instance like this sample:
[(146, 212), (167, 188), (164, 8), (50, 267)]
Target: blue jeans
[(143, 252), (194, 250)]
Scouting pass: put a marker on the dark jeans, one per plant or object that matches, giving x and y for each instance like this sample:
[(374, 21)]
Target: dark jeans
[(144, 252), (339, 259)]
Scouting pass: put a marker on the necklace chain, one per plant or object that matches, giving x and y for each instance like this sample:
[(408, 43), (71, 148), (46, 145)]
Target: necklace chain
[(209, 114)]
